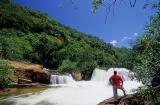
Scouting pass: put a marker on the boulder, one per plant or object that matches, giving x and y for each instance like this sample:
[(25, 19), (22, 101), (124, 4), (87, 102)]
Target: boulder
[(30, 73), (132, 99), (77, 75), (40, 77), (23, 81)]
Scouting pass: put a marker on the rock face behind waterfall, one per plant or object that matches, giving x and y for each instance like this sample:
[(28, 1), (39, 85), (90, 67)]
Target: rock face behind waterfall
[(77, 75)]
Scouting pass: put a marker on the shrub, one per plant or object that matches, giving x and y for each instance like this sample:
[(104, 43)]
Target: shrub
[(5, 71)]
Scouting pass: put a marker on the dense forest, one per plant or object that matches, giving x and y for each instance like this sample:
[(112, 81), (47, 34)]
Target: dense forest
[(29, 35)]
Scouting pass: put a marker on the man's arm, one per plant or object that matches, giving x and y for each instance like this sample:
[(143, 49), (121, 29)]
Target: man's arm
[(110, 80), (122, 82)]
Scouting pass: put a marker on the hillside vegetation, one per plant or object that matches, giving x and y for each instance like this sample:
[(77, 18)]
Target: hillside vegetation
[(29, 35)]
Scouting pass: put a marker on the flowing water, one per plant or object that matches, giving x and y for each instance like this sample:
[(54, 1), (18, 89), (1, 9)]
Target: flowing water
[(65, 91)]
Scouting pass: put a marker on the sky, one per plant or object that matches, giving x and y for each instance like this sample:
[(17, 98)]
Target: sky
[(121, 27)]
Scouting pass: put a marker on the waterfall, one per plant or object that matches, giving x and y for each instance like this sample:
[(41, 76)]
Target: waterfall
[(104, 75), (99, 75), (61, 79), (126, 74)]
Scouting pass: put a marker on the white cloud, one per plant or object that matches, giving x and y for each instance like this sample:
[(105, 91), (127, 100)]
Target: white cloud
[(129, 38), (126, 38), (135, 34), (113, 42)]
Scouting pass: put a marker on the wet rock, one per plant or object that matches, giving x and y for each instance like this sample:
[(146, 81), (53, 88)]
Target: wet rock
[(132, 99), (40, 77), (77, 75), (30, 73), (23, 81)]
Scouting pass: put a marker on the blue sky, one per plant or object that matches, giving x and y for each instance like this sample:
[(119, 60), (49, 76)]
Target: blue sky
[(122, 26)]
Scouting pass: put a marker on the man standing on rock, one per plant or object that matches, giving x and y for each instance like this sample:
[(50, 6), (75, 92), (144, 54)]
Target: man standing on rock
[(117, 83)]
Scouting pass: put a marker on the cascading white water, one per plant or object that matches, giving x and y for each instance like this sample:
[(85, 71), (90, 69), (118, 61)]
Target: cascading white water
[(61, 79), (99, 75), (102, 75), (82, 92)]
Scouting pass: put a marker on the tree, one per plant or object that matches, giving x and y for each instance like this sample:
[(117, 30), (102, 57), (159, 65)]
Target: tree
[(110, 4), (146, 48), (5, 71), (5, 1), (68, 66)]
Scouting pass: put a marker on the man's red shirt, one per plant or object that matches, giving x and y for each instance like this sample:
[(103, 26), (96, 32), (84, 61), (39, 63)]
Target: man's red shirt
[(116, 80)]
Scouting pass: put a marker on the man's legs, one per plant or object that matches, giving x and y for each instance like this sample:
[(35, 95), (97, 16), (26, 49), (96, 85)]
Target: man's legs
[(115, 94), (123, 90)]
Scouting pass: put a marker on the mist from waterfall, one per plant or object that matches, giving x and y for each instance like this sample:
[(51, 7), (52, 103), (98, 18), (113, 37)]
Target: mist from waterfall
[(79, 93)]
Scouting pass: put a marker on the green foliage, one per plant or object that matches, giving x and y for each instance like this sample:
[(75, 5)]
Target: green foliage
[(154, 94), (13, 44), (68, 66), (145, 53), (145, 57), (5, 70), (30, 35), (147, 64), (96, 4), (87, 68), (5, 1)]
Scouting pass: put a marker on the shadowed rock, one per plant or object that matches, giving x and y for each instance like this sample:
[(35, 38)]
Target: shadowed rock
[(132, 99)]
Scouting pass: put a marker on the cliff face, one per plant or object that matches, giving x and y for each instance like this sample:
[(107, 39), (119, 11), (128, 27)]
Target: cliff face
[(24, 66), (29, 72)]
